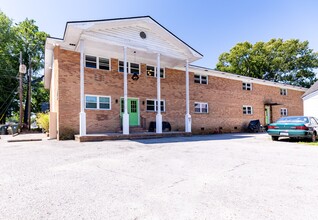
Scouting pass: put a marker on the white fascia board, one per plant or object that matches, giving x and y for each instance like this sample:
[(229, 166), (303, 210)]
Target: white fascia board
[(311, 95), (211, 72), (48, 60), (48, 68)]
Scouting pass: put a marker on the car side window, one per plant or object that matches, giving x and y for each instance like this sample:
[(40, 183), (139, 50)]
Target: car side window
[(313, 121), (316, 120)]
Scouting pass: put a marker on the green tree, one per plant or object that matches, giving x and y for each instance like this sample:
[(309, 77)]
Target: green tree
[(290, 61), (23, 37), (8, 67), (31, 42)]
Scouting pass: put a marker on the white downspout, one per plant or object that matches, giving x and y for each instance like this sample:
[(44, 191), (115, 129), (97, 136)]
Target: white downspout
[(188, 119), (158, 116), (82, 96), (125, 115)]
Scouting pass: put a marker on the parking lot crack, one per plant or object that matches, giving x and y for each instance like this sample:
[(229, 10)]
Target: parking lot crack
[(120, 173), (236, 167), (175, 183)]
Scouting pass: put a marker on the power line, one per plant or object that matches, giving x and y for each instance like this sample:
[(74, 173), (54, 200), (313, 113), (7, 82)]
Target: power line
[(8, 97), (3, 114)]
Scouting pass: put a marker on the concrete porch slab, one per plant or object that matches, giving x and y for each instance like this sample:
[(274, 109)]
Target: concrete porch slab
[(139, 135)]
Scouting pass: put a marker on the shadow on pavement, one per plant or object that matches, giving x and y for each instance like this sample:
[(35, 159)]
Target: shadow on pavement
[(197, 138)]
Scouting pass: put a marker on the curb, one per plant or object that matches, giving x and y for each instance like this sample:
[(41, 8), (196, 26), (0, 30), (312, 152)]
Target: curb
[(24, 140)]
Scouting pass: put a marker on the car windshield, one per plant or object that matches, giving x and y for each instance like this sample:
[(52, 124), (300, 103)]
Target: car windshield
[(293, 119)]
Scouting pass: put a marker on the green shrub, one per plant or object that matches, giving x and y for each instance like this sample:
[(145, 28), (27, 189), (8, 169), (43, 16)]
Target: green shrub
[(43, 121), (67, 133)]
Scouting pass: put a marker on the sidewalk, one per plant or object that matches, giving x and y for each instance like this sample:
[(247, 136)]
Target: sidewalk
[(24, 137)]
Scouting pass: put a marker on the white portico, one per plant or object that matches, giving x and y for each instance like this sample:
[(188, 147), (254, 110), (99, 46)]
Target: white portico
[(138, 39)]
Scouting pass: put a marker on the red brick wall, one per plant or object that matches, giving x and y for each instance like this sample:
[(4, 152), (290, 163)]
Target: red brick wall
[(68, 92), (225, 98)]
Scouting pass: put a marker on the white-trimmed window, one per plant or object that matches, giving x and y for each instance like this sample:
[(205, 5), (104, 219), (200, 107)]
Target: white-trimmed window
[(246, 86), (97, 62), (152, 105), (247, 110), (152, 71), (201, 79), (283, 91), (283, 112), (201, 107), (133, 68), (97, 102)]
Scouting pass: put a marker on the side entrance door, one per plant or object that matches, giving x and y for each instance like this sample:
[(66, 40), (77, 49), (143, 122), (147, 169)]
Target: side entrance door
[(267, 114), (133, 110)]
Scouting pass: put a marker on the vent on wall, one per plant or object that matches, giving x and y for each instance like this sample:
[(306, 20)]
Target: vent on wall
[(142, 35)]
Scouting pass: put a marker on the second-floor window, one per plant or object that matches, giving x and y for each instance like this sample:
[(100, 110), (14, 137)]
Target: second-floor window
[(152, 71), (97, 62), (247, 110), (201, 107), (246, 86), (283, 91), (201, 79), (283, 112), (133, 68)]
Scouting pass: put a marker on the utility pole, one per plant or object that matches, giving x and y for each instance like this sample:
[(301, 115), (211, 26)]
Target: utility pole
[(29, 92), (22, 70)]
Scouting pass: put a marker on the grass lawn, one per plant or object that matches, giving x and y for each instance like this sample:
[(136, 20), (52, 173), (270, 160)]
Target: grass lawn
[(309, 143)]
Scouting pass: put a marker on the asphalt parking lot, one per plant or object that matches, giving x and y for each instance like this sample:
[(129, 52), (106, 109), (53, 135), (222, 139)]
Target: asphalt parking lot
[(230, 176)]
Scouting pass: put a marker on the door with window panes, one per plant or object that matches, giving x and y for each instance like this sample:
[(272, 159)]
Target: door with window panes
[(133, 110)]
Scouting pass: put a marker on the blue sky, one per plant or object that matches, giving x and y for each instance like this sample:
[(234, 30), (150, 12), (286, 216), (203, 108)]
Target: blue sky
[(211, 27)]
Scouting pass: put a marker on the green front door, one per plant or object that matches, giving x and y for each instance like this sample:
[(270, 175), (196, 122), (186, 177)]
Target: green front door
[(132, 111)]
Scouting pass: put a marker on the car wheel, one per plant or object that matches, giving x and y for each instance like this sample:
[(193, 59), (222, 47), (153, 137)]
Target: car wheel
[(275, 138), (314, 137)]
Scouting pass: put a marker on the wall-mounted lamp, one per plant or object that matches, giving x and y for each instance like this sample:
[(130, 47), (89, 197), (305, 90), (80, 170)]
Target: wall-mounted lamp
[(143, 102), (116, 101)]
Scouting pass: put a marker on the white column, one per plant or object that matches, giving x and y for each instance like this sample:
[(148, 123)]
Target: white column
[(125, 115), (158, 116), (82, 96), (188, 119)]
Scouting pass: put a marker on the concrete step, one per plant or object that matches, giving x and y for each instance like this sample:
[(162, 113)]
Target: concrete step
[(135, 129)]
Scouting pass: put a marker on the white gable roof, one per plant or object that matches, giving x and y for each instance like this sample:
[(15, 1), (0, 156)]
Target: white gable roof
[(126, 32), (143, 36)]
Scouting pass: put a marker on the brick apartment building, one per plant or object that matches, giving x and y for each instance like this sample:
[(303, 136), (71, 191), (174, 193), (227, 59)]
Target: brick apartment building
[(103, 78)]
